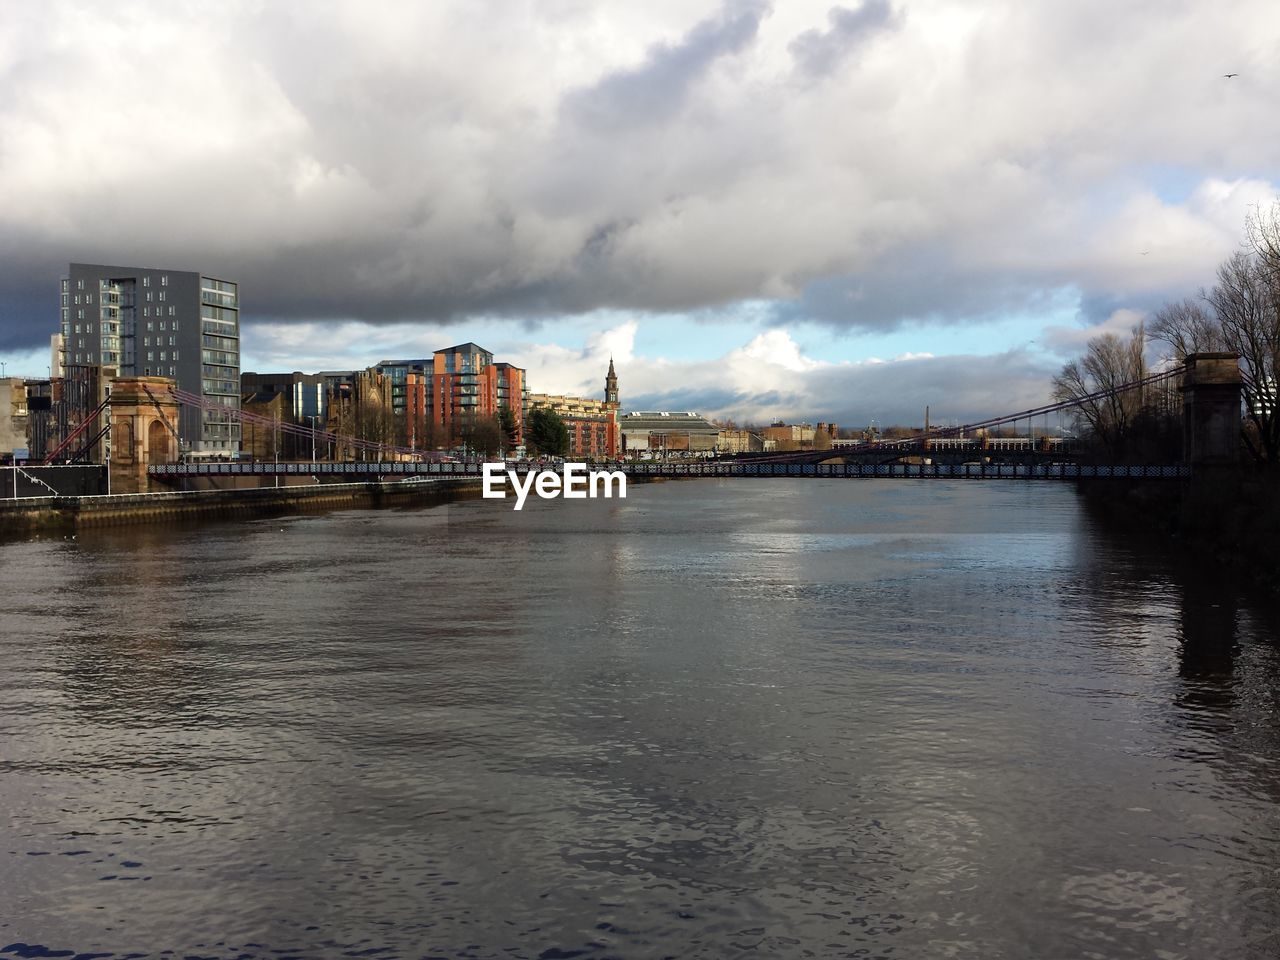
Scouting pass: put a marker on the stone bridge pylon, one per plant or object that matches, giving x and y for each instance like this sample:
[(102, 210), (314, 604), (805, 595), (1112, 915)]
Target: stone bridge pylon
[(1211, 384), (144, 430)]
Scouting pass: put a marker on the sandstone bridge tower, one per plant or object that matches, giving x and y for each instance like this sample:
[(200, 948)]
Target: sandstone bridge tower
[(144, 430)]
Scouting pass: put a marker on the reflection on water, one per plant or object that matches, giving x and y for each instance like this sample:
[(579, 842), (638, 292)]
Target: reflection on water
[(788, 718)]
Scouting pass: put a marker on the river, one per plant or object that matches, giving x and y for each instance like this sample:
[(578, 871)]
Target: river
[(788, 718)]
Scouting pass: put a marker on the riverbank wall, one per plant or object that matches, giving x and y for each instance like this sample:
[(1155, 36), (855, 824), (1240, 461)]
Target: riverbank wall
[(39, 514)]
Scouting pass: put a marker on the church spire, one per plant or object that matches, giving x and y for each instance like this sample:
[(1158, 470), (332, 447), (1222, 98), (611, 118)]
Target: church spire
[(611, 385)]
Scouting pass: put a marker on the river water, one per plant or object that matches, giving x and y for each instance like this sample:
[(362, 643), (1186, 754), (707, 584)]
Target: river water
[(789, 718)]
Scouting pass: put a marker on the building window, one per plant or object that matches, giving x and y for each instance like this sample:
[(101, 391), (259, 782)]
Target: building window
[(146, 341), (174, 326), (161, 324), (163, 358), (162, 295), (77, 328), (146, 281), (150, 357), (171, 311), (164, 280), (171, 339), (79, 314), (146, 311), (88, 298), (175, 356), (150, 326), (77, 299), (79, 284), (65, 283)]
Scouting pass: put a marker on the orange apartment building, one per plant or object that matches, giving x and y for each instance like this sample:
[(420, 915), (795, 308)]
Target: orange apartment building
[(465, 384)]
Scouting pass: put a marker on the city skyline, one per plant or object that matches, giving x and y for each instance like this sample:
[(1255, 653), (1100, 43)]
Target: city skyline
[(799, 210)]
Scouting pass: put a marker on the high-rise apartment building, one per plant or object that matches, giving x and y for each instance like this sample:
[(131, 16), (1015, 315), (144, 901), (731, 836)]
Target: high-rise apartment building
[(466, 385), (146, 321), (399, 372)]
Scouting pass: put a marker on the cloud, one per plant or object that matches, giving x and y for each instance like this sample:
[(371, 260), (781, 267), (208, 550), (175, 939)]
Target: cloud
[(818, 52), (657, 89), (441, 162), (1072, 341), (770, 377)]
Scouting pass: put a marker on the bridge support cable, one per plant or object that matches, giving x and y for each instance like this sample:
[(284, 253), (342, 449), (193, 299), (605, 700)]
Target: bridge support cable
[(964, 432), (75, 434), (1059, 405), (83, 452)]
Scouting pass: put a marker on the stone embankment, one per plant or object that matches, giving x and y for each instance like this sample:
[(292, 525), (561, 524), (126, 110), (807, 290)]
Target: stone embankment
[(36, 514)]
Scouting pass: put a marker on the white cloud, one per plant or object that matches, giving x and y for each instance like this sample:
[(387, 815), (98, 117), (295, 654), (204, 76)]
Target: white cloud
[(773, 348)]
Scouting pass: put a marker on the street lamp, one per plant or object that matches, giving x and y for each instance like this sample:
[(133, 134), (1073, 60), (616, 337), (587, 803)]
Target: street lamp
[(313, 437)]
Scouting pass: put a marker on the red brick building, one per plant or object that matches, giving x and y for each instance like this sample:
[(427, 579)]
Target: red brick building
[(593, 424)]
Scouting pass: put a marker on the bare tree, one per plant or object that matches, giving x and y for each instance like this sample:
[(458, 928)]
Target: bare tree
[(1246, 304), (1187, 326), (1094, 382), (482, 434), (1263, 231)]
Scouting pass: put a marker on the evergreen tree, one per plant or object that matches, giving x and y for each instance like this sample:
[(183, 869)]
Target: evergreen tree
[(507, 423), (548, 434)]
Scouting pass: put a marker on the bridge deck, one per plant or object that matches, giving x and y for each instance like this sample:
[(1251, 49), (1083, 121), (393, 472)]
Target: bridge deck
[(965, 471)]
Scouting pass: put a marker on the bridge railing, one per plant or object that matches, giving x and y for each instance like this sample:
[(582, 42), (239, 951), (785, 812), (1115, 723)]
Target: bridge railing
[(993, 471)]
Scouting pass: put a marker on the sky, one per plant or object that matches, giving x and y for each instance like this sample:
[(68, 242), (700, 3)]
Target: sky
[(791, 210)]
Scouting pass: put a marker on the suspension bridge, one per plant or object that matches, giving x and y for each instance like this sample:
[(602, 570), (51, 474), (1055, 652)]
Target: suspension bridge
[(141, 418), (970, 451)]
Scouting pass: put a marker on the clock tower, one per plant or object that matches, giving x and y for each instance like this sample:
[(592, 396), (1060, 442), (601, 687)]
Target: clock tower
[(611, 386)]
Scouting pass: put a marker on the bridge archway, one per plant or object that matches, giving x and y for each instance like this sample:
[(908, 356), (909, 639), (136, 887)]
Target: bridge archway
[(122, 441), (159, 445)]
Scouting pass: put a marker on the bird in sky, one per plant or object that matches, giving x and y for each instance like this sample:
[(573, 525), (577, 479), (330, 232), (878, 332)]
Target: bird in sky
[(1228, 76)]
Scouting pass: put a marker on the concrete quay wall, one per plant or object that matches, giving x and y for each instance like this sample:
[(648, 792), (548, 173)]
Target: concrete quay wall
[(32, 514)]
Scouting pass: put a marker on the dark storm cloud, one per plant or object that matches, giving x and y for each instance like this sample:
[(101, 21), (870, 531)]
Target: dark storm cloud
[(818, 52), (927, 288), (446, 160)]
